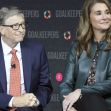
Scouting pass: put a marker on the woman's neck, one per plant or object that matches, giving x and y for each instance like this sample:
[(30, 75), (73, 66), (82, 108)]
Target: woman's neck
[(99, 36)]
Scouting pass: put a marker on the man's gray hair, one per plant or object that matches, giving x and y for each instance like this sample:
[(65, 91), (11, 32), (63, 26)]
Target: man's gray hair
[(6, 12)]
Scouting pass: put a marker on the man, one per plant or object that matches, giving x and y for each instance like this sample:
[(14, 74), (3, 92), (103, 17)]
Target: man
[(24, 72)]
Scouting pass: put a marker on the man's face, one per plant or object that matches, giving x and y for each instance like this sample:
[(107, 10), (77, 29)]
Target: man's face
[(14, 29)]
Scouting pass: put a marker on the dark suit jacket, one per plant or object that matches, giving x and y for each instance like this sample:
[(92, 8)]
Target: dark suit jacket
[(76, 72), (36, 75)]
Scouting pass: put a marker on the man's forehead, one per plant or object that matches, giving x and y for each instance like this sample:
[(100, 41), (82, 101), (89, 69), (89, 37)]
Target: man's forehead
[(14, 19)]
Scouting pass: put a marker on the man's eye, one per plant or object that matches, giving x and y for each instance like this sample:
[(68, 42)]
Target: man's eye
[(16, 25)]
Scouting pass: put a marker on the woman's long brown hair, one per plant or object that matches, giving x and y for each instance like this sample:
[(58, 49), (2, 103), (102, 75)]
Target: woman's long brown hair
[(85, 33)]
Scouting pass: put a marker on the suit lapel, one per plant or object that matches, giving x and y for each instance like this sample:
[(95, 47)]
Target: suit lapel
[(85, 64), (26, 57), (2, 70)]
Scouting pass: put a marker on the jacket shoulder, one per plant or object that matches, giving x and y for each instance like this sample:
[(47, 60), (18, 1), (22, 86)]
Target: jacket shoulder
[(74, 45), (32, 43)]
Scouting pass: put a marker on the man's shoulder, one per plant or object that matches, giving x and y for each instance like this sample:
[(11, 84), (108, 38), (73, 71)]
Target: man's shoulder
[(32, 43)]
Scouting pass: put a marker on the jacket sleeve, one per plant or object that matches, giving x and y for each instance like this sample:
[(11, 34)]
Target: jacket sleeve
[(45, 88), (69, 79), (103, 88), (5, 99)]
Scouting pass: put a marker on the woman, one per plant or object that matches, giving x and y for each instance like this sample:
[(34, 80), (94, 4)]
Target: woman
[(87, 81)]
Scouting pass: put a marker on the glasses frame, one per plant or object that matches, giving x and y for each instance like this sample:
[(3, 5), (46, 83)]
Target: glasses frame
[(12, 26)]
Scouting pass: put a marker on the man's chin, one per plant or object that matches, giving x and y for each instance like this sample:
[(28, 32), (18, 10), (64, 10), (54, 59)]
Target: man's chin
[(20, 39)]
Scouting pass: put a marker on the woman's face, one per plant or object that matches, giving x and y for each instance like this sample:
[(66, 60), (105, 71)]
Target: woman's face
[(100, 17)]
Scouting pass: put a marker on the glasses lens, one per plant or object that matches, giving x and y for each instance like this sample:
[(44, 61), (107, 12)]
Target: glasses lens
[(23, 25), (17, 26)]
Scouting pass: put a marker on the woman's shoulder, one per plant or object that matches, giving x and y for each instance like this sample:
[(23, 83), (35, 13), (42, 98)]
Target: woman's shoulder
[(74, 44)]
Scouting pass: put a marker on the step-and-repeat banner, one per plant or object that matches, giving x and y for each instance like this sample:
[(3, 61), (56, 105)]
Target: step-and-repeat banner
[(54, 23)]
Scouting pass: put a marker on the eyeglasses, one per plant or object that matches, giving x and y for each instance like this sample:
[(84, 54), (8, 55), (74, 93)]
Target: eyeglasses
[(16, 26)]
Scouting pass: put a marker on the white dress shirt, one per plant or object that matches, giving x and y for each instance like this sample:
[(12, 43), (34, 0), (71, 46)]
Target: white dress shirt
[(7, 60)]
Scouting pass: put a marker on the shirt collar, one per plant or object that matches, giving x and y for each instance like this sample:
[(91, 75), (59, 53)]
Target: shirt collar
[(7, 49), (102, 44)]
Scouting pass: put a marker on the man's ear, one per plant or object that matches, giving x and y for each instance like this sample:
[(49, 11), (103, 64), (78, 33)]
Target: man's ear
[(2, 30)]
